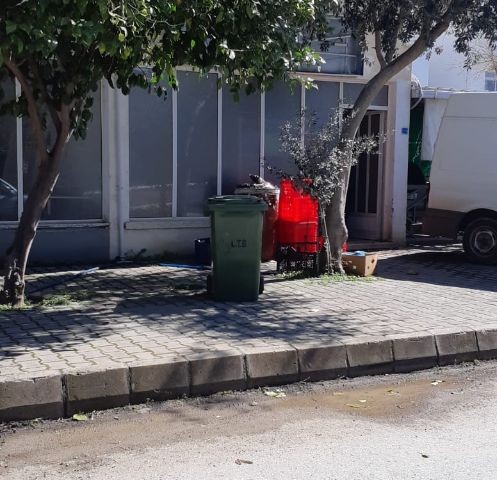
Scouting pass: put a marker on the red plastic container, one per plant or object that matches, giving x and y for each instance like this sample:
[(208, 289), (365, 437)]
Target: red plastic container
[(296, 206), (297, 219), (297, 232)]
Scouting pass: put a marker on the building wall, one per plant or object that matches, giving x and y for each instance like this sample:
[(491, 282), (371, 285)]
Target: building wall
[(65, 245), (140, 181), (242, 137), (446, 69), (74, 227)]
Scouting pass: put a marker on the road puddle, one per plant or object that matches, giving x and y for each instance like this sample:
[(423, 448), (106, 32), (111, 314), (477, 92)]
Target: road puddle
[(377, 401)]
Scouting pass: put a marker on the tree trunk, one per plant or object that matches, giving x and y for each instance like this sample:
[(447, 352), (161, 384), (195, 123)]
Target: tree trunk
[(18, 253), (337, 228), (327, 245), (48, 167), (46, 177)]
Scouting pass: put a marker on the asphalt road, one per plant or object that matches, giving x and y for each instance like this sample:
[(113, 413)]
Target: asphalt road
[(439, 424)]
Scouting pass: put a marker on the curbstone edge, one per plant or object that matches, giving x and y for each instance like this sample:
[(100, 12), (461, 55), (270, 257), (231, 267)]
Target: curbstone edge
[(88, 391), (414, 353), (216, 371), (369, 357), (487, 343), (27, 399), (456, 347), (322, 362), (271, 366), (159, 381)]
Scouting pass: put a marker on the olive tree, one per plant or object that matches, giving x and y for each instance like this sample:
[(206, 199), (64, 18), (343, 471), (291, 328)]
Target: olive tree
[(400, 31), (320, 162), (60, 50)]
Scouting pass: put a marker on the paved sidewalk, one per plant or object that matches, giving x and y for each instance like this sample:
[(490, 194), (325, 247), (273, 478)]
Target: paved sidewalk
[(130, 315)]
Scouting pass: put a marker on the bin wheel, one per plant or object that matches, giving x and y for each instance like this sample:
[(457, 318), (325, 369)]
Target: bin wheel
[(209, 284), (261, 285)]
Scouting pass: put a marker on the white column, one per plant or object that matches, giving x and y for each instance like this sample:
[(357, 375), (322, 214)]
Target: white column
[(398, 123), (174, 98), (115, 153), (220, 141), (262, 145)]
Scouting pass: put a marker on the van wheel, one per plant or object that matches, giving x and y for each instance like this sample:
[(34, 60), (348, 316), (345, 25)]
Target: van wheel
[(480, 241)]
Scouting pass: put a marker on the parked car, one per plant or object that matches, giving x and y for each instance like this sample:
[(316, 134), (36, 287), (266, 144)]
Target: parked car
[(463, 181), (87, 205)]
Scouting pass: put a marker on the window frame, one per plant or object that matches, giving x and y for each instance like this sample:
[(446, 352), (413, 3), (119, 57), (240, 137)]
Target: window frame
[(20, 178), (491, 77), (169, 222)]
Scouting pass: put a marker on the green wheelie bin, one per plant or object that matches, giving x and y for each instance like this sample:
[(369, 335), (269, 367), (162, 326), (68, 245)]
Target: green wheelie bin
[(236, 241)]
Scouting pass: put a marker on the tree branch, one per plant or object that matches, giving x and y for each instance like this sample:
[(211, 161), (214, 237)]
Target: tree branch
[(393, 47), (377, 47), (44, 92), (64, 133), (34, 116)]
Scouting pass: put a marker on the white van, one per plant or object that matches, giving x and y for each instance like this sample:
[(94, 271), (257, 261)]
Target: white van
[(463, 181)]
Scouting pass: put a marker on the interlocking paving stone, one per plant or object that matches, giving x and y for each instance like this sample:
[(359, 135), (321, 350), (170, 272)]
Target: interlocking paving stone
[(143, 313)]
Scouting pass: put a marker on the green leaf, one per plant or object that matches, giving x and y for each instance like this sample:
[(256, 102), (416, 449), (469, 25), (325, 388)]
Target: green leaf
[(277, 393), (10, 27), (79, 417)]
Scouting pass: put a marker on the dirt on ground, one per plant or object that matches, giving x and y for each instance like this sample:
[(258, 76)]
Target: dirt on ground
[(390, 398)]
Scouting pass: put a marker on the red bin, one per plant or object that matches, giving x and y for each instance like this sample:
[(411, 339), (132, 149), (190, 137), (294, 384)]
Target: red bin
[(270, 195), (298, 220)]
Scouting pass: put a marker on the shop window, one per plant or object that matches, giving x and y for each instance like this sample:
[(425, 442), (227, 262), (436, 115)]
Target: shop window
[(351, 92), (8, 159), (78, 192), (150, 154), (241, 139), (197, 142), (321, 104), (340, 52), (282, 105), (491, 81)]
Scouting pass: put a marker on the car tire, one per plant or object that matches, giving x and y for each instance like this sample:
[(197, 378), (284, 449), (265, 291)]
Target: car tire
[(480, 241)]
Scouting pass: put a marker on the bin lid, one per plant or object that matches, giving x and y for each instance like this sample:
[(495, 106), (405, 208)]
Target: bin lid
[(257, 190), (248, 202)]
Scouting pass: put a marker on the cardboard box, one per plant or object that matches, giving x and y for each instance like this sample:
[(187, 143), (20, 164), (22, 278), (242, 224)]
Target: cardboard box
[(362, 265)]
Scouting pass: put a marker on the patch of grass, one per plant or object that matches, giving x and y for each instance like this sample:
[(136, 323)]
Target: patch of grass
[(299, 275), (56, 300), (325, 278), (339, 278), (62, 299), (8, 308), (59, 299)]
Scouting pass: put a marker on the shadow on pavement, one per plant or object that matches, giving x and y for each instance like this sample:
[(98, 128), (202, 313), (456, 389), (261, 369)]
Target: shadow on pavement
[(169, 306), (439, 266)]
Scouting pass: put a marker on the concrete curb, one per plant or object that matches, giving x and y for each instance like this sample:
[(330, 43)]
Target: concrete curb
[(62, 395)]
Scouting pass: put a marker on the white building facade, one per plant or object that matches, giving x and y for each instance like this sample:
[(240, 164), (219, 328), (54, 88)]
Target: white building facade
[(446, 69), (140, 181)]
